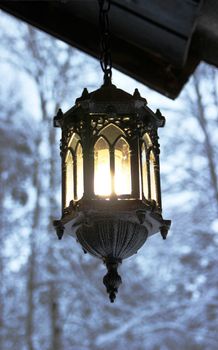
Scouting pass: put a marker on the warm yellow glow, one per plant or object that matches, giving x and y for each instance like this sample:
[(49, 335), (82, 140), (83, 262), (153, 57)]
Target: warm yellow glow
[(122, 168), (144, 172), (79, 160), (102, 177), (69, 178), (152, 176), (103, 172)]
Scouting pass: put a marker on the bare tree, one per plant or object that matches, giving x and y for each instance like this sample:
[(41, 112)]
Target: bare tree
[(51, 66), (168, 289), (14, 170), (204, 120)]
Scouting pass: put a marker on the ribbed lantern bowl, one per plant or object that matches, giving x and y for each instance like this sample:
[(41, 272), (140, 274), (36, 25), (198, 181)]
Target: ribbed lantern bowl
[(111, 196)]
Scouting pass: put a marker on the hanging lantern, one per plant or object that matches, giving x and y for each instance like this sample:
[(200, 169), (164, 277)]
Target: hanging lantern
[(111, 196)]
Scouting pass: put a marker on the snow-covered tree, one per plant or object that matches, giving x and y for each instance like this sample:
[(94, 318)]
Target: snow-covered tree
[(53, 297)]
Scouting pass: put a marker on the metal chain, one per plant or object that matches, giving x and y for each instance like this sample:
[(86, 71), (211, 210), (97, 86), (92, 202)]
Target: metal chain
[(105, 58)]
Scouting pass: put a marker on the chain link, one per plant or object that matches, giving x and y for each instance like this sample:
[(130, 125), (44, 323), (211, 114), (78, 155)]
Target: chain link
[(105, 58)]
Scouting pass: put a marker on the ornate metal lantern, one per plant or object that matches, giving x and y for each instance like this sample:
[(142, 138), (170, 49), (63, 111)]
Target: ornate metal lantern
[(111, 197)]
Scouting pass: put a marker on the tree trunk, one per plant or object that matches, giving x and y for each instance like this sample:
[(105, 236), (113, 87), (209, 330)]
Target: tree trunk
[(30, 300), (1, 272), (54, 312), (54, 291), (207, 142), (1, 289), (31, 275)]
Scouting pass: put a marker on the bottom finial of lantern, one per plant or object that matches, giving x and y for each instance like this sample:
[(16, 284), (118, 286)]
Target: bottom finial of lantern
[(112, 279)]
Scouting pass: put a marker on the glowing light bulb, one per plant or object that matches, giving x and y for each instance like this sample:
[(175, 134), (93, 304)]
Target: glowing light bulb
[(102, 177)]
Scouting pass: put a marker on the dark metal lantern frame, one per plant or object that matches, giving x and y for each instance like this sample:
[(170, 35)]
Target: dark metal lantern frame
[(112, 226)]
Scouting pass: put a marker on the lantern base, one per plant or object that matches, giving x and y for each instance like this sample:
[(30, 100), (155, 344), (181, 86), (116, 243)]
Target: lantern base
[(112, 231), (111, 237), (112, 240)]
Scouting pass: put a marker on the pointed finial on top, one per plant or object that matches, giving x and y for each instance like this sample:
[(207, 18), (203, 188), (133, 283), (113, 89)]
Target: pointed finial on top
[(85, 93), (58, 118), (158, 113), (59, 113), (84, 96), (136, 93)]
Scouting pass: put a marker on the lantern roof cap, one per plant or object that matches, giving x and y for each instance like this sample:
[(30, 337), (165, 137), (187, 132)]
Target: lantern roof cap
[(110, 93), (110, 100)]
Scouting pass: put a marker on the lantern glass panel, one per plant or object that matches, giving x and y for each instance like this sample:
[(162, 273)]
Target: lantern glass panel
[(69, 178), (79, 171), (152, 176), (144, 172), (111, 132), (102, 177), (122, 168)]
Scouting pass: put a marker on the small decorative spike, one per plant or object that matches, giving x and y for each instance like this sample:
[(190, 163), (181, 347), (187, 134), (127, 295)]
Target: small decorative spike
[(85, 93), (160, 118), (158, 113), (84, 96), (58, 118), (136, 93), (112, 279), (164, 231), (59, 228), (137, 96)]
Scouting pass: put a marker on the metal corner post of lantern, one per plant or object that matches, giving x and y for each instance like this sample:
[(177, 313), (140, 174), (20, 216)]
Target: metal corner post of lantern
[(111, 196)]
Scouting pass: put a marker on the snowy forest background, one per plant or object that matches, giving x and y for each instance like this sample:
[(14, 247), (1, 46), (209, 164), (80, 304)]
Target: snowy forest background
[(51, 294)]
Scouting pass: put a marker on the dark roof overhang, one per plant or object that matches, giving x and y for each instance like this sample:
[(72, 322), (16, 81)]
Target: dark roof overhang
[(159, 45)]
